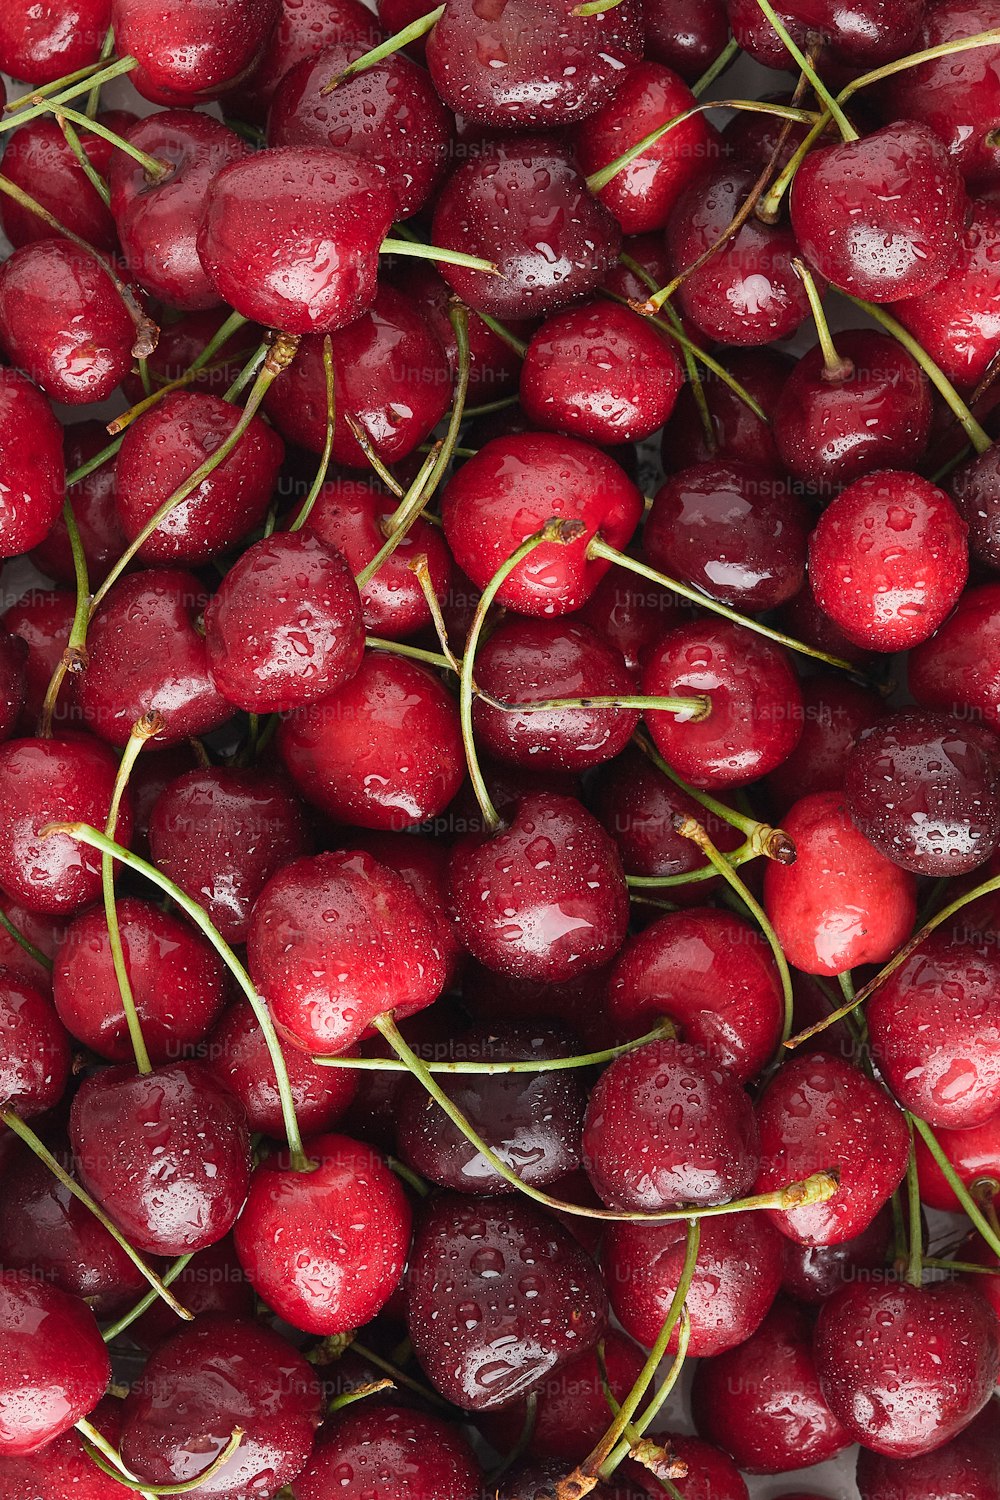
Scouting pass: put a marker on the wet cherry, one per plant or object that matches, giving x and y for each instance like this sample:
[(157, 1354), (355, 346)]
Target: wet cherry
[(41, 44), (55, 1365), (35, 1064), (968, 1465), (428, 1459), (39, 160), (956, 669), (188, 54), (836, 712), (238, 1054), (32, 485), (956, 322)]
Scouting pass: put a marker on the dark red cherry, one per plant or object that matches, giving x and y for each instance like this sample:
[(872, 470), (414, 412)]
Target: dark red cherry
[(147, 654), (290, 238), (176, 980), (94, 511), (737, 432), (238, 1055), (498, 1295), (337, 940), (812, 1273), (530, 62), (736, 1278), (711, 1475), (781, 1420), (756, 704), (427, 1459), (630, 613), (956, 322), (687, 35), (905, 1368), (389, 115), (545, 898), (32, 484), (13, 681), (731, 529), (42, 618), (40, 43), (213, 1281), (190, 53), (384, 751), (494, 367), (325, 1248), (760, 138), (42, 931), (975, 490), (183, 340), (303, 29), (211, 1377), (975, 1156), (157, 222), (423, 863), (836, 711), (62, 1467), (537, 1479), (39, 160), (805, 621), (856, 33), (830, 432), (54, 1363), (747, 292), (54, 781), (968, 1465), (390, 373), (888, 560), (650, 255), (576, 1004), (510, 489), (166, 1154), (711, 974), (818, 1114), (522, 203), (35, 1061), (957, 668)]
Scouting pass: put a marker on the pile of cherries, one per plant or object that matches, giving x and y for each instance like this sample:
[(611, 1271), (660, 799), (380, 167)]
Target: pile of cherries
[(500, 765)]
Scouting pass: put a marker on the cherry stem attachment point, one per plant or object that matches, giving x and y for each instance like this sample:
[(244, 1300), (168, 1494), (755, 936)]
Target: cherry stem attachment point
[(392, 44), (835, 369)]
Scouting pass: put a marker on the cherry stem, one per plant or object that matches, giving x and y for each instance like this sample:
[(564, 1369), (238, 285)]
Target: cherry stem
[(519, 347), (249, 372), (914, 1261), (364, 442), (99, 1443), (170, 1275), (38, 1147), (75, 476), (233, 323), (109, 1462), (533, 1065), (86, 79), (929, 54), (655, 1457), (74, 657), (690, 710), (770, 205), (599, 548), (594, 7), (690, 363), (399, 1377), (87, 167), (958, 1187), (392, 44), (25, 943), (154, 169), (415, 653), (835, 368), (55, 86), (84, 834), (107, 53), (402, 518), (325, 456), (441, 254), (729, 54), (360, 1393), (627, 1444), (805, 63), (736, 857), (420, 568)]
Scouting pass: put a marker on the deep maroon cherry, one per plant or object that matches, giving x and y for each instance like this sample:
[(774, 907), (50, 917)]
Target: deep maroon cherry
[(812, 1273), (325, 1248), (805, 621), (13, 681), (183, 340), (968, 1465), (427, 1459), (630, 613), (494, 367), (304, 28), (32, 484), (857, 32), (687, 35), (94, 511), (55, 1366), (238, 1055), (957, 322), (760, 139), (975, 489), (957, 668), (975, 1156), (43, 931), (41, 44), (213, 1281), (498, 1294), (42, 618), (190, 53), (39, 160), (711, 1475), (835, 712), (35, 1061), (737, 432)]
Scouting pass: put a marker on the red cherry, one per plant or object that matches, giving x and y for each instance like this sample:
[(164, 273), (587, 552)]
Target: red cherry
[(303, 29), (423, 864), (968, 1465), (190, 53), (42, 618), (836, 712), (35, 1063), (213, 1281), (32, 486), (94, 511), (62, 1467), (812, 1273), (44, 932), (630, 613), (974, 1154), (13, 681), (325, 1248), (686, 35), (181, 342), (428, 1459), (493, 365), (55, 1366), (956, 322), (39, 160), (975, 492), (737, 432), (857, 32), (240, 1057), (41, 44), (711, 1475), (804, 620), (957, 668)]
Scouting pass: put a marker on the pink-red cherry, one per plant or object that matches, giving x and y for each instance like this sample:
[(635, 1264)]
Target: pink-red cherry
[(55, 1366), (975, 1156), (957, 669), (41, 43), (32, 484), (238, 1054), (35, 1062), (426, 1458), (190, 53)]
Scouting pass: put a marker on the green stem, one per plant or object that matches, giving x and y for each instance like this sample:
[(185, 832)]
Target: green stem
[(652, 1410), (395, 43), (75, 476), (944, 49), (835, 369), (770, 205), (170, 1275), (100, 1453), (420, 568), (439, 253), (74, 657), (86, 79), (741, 856), (415, 653), (519, 347), (773, 843), (594, 7), (729, 54), (958, 1187), (233, 323), (107, 53), (87, 167), (367, 447), (325, 456), (155, 170), (844, 125), (535, 1065), (402, 518), (692, 710), (360, 1393), (914, 1262)]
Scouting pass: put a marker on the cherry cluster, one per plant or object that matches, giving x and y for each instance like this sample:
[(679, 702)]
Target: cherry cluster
[(478, 940)]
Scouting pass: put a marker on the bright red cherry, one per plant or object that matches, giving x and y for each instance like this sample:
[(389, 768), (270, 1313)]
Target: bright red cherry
[(35, 1062), (423, 863), (61, 1467), (836, 711), (55, 1366), (957, 321), (39, 160), (968, 1465), (239, 1055), (957, 668), (428, 1459), (190, 53), (41, 43), (494, 368), (33, 480)]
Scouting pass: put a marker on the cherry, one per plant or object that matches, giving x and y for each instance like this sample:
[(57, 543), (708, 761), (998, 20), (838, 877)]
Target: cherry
[(830, 431), (94, 510), (239, 1056), (536, 1479), (35, 1064), (710, 973), (147, 655), (183, 340), (166, 1154), (956, 669), (389, 115), (737, 432), (781, 1420), (508, 492), (836, 712), (629, 613), (905, 1368), (426, 1458), (42, 931), (62, 1467), (213, 1281), (32, 486), (220, 834), (818, 1113), (545, 898), (968, 1465), (523, 204), (577, 1004), (325, 1248), (41, 44), (384, 751), (756, 705), (732, 530), (812, 1273), (711, 1475), (747, 292), (39, 160), (973, 488), (157, 221), (42, 618), (290, 238), (956, 322), (687, 35), (804, 619), (423, 863), (390, 373), (494, 367), (55, 1366), (212, 1377), (190, 53), (13, 681), (303, 29), (52, 781), (975, 1156), (601, 373), (498, 1295), (336, 940), (855, 33), (759, 138), (642, 194), (176, 980), (736, 1278)]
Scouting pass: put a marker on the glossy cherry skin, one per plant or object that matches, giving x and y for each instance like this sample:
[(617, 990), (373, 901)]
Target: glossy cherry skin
[(747, 292), (545, 898), (756, 703), (713, 976), (42, 619), (213, 1281), (819, 1113), (836, 711), (510, 489), (736, 1278), (39, 160), (906, 1368), (190, 53), (158, 222), (737, 432), (975, 1156), (94, 510), (537, 1479), (975, 490), (303, 29), (687, 35), (830, 432), (32, 484), (384, 751), (166, 1154), (54, 781), (61, 1467), (956, 322), (176, 978), (147, 654), (423, 863), (630, 613), (13, 681), (853, 33), (221, 833), (957, 668), (239, 1056), (55, 1365), (290, 238), (711, 1475), (523, 204), (44, 932), (325, 1248), (812, 1273), (390, 372), (181, 342), (494, 368), (733, 530), (968, 1465), (422, 1457), (513, 1293), (41, 44), (781, 1420), (336, 940), (209, 1378), (35, 1063)]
